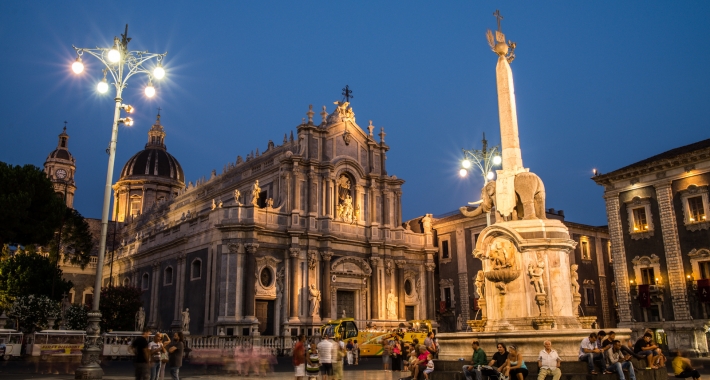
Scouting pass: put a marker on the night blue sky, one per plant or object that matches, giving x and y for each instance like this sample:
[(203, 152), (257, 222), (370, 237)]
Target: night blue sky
[(598, 84)]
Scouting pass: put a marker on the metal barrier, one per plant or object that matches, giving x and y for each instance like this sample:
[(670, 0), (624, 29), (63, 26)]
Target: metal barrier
[(278, 345)]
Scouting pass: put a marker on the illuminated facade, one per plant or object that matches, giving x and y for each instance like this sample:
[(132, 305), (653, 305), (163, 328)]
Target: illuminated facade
[(657, 210)]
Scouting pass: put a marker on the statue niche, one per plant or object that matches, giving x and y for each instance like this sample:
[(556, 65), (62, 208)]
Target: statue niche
[(346, 209), (529, 198)]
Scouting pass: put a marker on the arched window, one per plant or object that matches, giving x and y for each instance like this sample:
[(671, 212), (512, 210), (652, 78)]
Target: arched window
[(145, 281), (126, 281), (168, 276), (135, 205), (196, 269)]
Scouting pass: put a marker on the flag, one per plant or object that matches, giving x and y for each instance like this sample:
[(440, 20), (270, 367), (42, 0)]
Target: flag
[(704, 290), (442, 307), (644, 295)]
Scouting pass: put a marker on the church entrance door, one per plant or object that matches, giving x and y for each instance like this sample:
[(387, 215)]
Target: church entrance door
[(346, 301), (265, 315)]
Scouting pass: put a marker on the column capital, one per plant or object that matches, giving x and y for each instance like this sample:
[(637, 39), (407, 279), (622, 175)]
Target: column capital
[(375, 261), (181, 257), (233, 247), (430, 267), (156, 265), (400, 263), (326, 255), (294, 252), (251, 247)]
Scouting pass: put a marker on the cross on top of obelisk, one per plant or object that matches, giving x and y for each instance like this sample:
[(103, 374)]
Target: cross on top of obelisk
[(498, 17), (159, 109), (347, 93)]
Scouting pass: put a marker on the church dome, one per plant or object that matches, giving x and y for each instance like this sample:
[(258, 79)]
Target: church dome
[(62, 152), (154, 160)]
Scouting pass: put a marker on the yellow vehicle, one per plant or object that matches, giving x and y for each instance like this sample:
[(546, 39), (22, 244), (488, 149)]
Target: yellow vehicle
[(370, 340)]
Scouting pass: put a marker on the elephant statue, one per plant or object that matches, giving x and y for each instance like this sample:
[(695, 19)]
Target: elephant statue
[(530, 199)]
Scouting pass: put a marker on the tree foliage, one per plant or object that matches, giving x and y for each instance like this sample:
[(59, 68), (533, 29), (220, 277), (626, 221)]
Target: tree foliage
[(28, 273), (31, 210), (119, 305), (76, 240), (76, 317), (33, 312)]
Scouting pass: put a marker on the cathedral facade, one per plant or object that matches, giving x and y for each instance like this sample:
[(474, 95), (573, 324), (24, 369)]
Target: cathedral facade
[(280, 242)]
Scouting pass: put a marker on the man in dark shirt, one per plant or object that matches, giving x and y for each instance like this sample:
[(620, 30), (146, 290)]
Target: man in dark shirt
[(497, 362), (139, 348), (646, 348), (176, 348)]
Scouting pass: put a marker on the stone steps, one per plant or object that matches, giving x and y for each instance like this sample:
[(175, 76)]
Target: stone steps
[(451, 370)]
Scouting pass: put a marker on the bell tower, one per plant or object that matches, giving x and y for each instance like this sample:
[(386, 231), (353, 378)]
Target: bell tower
[(60, 167)]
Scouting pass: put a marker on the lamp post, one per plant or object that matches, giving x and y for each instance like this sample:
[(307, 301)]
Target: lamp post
[(121, 64), (485, 159)]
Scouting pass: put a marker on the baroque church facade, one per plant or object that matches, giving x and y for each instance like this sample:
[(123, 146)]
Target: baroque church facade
[(280, 242)]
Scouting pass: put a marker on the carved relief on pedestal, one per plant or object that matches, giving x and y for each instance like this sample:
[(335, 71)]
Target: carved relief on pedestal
[(503, 257), (267, 276)]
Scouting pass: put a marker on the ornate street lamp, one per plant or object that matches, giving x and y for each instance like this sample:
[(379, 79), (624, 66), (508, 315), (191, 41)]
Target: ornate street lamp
[(485, 159), (121, 64)]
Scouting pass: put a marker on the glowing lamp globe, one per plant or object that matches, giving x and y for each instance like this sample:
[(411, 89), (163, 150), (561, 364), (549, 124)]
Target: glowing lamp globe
[(114, 55), (102, 87), (497, 160), (490, 176), (463, 172), (77, 66), (150, 91), (466, 164), (159, 72)]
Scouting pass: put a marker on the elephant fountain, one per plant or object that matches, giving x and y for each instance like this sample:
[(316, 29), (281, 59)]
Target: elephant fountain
[(529, 196)]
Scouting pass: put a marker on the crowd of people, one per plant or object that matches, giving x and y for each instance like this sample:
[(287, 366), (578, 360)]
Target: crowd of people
[(151, 358), (325, 359), (599, 350)]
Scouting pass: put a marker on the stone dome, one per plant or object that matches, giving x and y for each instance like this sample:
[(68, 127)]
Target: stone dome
[(154, 160)]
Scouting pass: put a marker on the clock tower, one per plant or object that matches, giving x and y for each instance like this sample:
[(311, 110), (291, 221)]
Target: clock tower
[(60, 167)]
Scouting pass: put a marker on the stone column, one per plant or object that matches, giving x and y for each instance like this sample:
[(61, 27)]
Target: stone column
[(238, 257), (508, 115), (621, 268), (431, 308), (462, 272), (399, 285), (313, 193), (293, 285), (374, 282), (671, 245), (603, 294), (179, 285), (250, 281), (154, 295), (326, 256)]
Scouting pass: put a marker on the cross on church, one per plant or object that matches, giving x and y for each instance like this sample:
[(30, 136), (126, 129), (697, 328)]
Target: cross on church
[(498, 17), (65, 125), (347, 93), (159, 109)]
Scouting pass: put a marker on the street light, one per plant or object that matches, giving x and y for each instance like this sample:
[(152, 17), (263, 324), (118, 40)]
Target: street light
[(485, 159), (122, 64)]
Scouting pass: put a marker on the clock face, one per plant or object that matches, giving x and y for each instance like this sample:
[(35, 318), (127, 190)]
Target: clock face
[(61, 173)]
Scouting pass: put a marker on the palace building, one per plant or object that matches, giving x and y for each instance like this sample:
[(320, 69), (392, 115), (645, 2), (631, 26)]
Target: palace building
[(657, 210), (280, 241)]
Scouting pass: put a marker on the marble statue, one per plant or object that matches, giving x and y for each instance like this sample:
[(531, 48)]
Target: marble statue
[(343, 315), (221, 332), (237, 195), (214, 204), (186, 320), (345, 209), (574, 277), (502, 254), (140, 319), (270, 202), (426, 223), (535, 272), (480, 284), (391, 305), (459, 323), (314, 297), (220, 204), (255, 194)]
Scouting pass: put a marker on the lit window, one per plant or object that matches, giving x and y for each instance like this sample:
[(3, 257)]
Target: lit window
[(135, 206), (696, 208), (640, 223), (647, 276), (584, 247)]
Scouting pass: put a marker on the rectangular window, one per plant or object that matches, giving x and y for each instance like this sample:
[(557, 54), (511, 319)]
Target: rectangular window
[(589, 295), (647, 276), (445, 249), (704, 267), (697, 211), (135, 206), (584, 246), (640, 223), (447, 297)]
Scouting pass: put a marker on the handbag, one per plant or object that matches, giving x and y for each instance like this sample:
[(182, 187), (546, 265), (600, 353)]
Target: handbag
[(164, 357)]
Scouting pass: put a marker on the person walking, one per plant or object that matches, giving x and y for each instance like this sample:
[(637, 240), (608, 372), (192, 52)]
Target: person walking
[(325, 357), (349, 348), (338, 355), (478, 359), (312, 364), (617, 362), (299, 357), (176, 350), (356, 352), (141, 360), (548, 362)]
